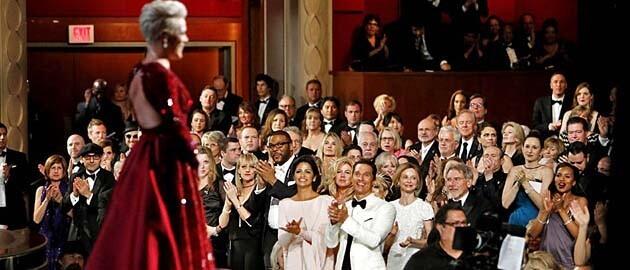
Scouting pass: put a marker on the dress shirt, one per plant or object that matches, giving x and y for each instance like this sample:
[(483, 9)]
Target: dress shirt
[(91, 179), (468, 143), (281, 173), (462, 199), (228, 177), (424, 150), (328, 124), (556, 108), (262, 106)]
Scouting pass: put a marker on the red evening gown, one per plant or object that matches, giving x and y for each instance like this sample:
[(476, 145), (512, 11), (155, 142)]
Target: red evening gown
[(155, 219)]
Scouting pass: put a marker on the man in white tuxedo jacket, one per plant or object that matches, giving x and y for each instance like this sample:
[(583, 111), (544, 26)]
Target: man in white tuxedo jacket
[(361, 225)]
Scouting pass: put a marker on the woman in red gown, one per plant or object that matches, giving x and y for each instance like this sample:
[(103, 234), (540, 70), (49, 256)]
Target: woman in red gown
[(154, 219)]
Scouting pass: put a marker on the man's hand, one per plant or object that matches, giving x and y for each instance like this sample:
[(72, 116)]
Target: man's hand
[(82, 187), (266, 172)]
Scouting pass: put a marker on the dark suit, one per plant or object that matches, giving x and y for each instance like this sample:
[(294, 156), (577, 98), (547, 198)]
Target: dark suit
[(337, 126), (87, 218), (426, 162), (305, 151), (492, 191), (475, 207), (542, 114), (474, 151), (301, 112), (15, 215), (102, 109), (219, 120), (279, 191), (231, 103), (272, 104)]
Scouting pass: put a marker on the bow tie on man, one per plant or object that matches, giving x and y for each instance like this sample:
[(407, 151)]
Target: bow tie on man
[(457, 202), (226, 171), (329, 122), (361, 203), (556, 101), (264, 101)]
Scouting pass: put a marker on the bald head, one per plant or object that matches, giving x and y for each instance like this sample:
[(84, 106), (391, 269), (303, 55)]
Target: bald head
[(74, 144)]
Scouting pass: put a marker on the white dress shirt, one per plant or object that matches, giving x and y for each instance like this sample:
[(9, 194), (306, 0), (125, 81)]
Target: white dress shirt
[(556, 108), (262, 106), (75, 199), (424, 150), (469, 143), (281, 173)]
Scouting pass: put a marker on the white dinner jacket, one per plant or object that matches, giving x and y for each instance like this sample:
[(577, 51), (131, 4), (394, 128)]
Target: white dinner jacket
[(369, 227)]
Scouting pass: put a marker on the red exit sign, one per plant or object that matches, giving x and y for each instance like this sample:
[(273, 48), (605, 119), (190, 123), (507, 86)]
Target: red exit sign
[(81, 34)]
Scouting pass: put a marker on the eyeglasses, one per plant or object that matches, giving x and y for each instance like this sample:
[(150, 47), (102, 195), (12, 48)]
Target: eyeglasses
[(277, 145), (457, 224), (95, 157), (129, 136), (387, 139)]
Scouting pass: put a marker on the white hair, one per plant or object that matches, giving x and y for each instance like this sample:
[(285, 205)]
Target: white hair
[(161, 16), (452, 130)]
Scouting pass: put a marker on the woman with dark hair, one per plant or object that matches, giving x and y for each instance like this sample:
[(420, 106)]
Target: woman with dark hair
[(198, 122), (246, 118), (369, 46), (551, 52), (54, 224), (525, 184), (303, 218), (458, 102), (394, 121), (555, 221)]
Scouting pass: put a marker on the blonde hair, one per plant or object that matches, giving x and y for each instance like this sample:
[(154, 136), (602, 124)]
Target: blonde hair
[(404, 167), (338, 145), (161, 17), (381, 183), (553, 141), (212, 168), (519, 134), (379, 101), (397, 140), (590, 91), (245, 159), (541, 260), (330, 175), (381, 160), (213, 136)]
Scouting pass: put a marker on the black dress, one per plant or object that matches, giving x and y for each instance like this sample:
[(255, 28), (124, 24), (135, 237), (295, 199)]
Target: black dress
[(212, 207), (361, 59), (245, 235)]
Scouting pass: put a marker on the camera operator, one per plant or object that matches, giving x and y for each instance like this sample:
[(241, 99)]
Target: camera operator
[(97, 105), (440, 253)]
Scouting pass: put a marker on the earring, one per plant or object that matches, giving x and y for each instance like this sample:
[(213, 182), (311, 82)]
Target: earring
[(164, 43)]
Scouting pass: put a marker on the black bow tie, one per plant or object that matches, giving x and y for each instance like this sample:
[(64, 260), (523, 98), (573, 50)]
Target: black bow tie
[(556, 101), (226, 171), (263, 101), (455, 202), (331, 122), (359, 203), (3, 153), (93, 175)]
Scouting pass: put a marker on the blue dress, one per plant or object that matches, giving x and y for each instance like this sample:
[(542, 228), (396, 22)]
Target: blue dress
[(54, 226), (524, 209)]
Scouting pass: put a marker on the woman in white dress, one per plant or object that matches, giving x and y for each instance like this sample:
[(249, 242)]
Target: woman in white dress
[(414, 218), (303, 219)]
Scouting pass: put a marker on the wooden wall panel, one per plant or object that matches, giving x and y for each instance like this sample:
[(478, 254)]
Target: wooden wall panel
[(510, 95)]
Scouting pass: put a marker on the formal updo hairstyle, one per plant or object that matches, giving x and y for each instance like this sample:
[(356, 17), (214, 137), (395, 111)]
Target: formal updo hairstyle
[(161, 16)]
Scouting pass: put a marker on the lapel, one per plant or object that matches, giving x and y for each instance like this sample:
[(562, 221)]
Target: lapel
[(470, 202), (547, 109), (98, 182), (566, 105)]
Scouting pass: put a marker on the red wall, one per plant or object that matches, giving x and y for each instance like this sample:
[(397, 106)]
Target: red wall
[(348, 14), (127, 8)]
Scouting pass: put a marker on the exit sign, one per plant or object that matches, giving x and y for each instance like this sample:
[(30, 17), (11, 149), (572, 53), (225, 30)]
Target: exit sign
[(81, 34)]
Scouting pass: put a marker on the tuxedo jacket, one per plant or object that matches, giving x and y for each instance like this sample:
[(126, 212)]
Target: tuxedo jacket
[(88, 217), (219, 120), (475, 207), (273, 104), (542, 113), (337, 126), (475, 149), (301, 112), (426, 162), (14, 215), (369, 227), (305, 151), (231, 103)]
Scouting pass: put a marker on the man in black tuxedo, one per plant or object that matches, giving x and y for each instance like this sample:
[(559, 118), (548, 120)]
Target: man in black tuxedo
[(74, 144), (89, 196), (264, 101), (287, 104), (330, 111), (230, 153), (314, 99), (250, 142), (490, 182), (469, 146), (296, 142), (427, 146), (228, 101), (97, 105), (279, 183), (458, 182), (13, 185), (217, 119), (350, 128), (548, 110)]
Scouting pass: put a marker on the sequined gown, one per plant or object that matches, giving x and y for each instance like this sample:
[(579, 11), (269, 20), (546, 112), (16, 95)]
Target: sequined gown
[(155, 218)]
